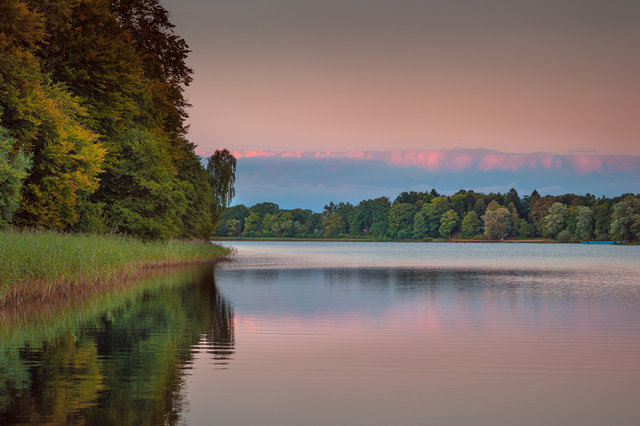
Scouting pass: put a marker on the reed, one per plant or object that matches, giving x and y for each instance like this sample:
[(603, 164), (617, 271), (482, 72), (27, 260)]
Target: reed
[(44, 264)]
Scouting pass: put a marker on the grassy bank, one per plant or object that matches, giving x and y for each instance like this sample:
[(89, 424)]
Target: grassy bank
[(40, 265)]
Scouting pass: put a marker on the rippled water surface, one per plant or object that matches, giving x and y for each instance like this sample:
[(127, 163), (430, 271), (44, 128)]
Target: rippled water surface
[(344, 333)]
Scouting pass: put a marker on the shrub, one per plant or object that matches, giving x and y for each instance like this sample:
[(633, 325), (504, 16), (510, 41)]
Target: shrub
[(564, 236)]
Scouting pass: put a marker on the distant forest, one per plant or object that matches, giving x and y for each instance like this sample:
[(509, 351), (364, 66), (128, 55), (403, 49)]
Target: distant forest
[(92, 123), (428, 215)]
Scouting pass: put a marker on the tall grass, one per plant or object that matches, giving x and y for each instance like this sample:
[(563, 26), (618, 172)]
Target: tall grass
[(37, 264)]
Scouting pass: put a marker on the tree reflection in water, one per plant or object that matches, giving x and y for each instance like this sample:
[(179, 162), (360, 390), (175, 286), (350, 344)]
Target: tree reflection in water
[(120, 361)]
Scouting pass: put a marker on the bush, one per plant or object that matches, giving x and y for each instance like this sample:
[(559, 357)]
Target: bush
[(564, 236)]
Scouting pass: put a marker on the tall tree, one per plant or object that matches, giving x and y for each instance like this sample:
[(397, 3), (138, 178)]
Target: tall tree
[(625, 213), (66, 162), (554, 222), (539, 209), (380, 208), (584, 223), (497, 222), (471, 225), (448, 223), (221, 167), (602, 218)]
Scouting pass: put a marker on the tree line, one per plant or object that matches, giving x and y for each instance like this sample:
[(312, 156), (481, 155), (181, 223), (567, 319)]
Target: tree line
[(92, 123), (429, 215)]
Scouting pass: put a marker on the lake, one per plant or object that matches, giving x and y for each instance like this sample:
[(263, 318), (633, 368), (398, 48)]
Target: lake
[(293, 333)]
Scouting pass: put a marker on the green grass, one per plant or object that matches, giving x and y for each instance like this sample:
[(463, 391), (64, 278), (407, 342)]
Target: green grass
[(44, 262)]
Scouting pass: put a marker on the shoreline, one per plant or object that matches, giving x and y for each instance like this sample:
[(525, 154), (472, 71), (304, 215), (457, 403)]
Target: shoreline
[(46, 267), (376, 240)]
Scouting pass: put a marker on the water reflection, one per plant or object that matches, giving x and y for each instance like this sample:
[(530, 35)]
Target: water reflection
[(118, 359), (351, 339), (357, 342)]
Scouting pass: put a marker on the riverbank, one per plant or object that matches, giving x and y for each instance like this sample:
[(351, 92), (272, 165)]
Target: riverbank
[(36, 266)]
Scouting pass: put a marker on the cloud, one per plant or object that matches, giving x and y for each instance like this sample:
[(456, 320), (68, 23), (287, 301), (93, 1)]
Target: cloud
[(465, 159), (311, 179)]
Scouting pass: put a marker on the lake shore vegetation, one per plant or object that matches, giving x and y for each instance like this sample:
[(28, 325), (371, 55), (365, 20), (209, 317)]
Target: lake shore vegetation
[(43, 265), (97, 177), (430, 216), (92, 123)]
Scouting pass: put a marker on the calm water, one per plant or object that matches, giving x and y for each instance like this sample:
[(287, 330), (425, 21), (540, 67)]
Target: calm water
[(344, 333)]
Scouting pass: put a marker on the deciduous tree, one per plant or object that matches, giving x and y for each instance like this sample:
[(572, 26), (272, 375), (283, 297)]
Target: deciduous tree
[(554, 222), (448, 223), (497, 222), (584, 223), (471, 225), (221, 167)]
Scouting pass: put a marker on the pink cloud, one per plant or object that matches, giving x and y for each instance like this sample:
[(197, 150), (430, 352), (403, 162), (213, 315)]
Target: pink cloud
[(463, 159), (502, 162), (430, 160), (254, 153), (586, 164)]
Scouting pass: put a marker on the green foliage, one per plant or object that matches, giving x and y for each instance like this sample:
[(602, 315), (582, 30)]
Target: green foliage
[(333, 225), (401, 220), (149, 202), (513, 197), (539, 209), (448, 223), (93, 91), (66, 162), (584, 223), (554, 222), (380, 208), (89, 52), (264, 208), (427, 221), (459, 203), (420, 226), (90, 217), (564, 236), (602, 218), (59, 351), (405, 197), (624, 219), (252, 225), (526, 230), (360, 218), (340, 220), (196, 222), (221, 168), (497, 222), (471, 225), (13, 170), (50, 256), (480, 206)]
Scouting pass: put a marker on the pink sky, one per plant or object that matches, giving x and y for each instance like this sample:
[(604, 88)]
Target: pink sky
[(515, 77)]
